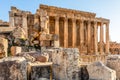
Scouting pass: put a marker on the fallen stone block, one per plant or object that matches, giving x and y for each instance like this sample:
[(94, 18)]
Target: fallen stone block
[(40, 71), (13, 68), (98, 71), (113, 62), (65, 63), (34, 56)]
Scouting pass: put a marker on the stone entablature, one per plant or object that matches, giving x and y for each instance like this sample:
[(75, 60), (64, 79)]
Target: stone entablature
[(62, 11)]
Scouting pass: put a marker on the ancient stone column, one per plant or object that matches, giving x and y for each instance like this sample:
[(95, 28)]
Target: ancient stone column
[(11, 19), (89, 37), (74, 32), (107, 38), (81, 34), (24, 23), (56, 43), (101, 38), (95, 38), (66, 32)]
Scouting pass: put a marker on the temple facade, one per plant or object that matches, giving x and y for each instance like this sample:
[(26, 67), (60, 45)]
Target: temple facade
[(74, 29), (78, 29)]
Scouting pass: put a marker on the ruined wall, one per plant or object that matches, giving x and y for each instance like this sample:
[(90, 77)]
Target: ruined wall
[(18, 20)]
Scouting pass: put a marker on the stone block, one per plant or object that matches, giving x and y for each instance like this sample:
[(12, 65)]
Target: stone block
[(40, 71), (15, 50), (45, 43), (34, 56), (13, 68), (113, 62), (98, 71), (65, 63), (3, 47)]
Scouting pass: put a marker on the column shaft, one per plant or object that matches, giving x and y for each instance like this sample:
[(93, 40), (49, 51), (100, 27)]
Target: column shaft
[(95, 38), (107, 38), (25, 25), (57, 43), (74, 33), (89, 38), (66, 33), (101, 38), (81, 35)]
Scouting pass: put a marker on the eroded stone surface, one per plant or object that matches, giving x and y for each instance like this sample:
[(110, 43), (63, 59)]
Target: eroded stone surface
[(65, 63), (98, 71), (3, 47), (113, 62), (13, 68)]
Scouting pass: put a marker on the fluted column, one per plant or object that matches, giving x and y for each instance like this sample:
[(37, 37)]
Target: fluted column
[(57, 43), (101, 39), (66, 32), (81, 35), (107, 38), (89, 37), (74, 32), (95, 38)]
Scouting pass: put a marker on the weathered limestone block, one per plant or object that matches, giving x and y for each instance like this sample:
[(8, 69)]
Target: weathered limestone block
[(29, 56), (38, 70), (13, 68), (15, 50), (3, 47), (48, 37), (98, 71), (65, 63), (19, 32), (113, 62), (34, 56)]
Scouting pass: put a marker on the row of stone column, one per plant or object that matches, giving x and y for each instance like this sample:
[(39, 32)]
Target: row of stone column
[(82, 35)]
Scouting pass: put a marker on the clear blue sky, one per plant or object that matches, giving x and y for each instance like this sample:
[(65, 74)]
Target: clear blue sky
[(103, 8)]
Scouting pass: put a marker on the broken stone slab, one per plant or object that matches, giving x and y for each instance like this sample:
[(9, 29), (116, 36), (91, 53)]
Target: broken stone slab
[(113, 62), (98, 71), (34, 56), (13, 68)]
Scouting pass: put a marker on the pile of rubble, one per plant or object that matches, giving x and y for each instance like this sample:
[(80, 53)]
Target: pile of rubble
[(63, 62)]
